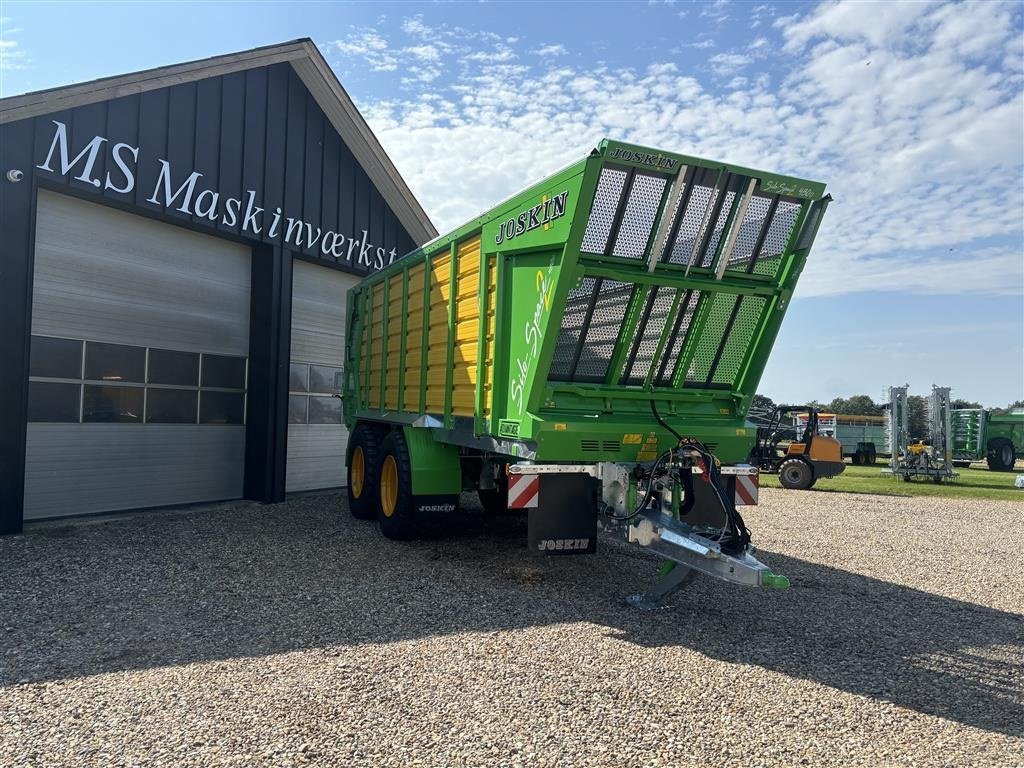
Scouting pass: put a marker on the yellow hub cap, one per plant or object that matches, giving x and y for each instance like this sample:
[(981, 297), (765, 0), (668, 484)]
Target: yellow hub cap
[(358, 471), (389, 486)]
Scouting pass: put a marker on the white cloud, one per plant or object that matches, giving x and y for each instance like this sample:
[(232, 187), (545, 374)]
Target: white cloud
[(12, 56), (700, 45), (717, 11), (414, 26), (369, 45), (878, 23), (725, 64), (916, 130), (550, 51), (423, 52)]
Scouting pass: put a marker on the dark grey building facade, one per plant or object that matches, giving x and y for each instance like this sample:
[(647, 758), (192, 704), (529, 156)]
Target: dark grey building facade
[(176, 248)]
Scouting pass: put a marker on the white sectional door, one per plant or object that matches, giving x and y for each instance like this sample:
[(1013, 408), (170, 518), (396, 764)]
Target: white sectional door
[(139, 362), (316, 432)]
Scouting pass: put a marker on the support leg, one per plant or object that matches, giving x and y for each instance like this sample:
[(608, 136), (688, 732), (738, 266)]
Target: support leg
[(670, 581)]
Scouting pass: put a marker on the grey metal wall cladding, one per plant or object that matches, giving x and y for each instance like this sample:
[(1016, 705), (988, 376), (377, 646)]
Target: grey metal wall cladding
[(109, 276), (318, 313), (316, 457), (106, 275), (82, 468), (316, 452)]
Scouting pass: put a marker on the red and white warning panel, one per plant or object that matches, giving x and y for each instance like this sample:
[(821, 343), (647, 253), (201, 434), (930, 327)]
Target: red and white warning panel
[(746, 489), (523, 491)]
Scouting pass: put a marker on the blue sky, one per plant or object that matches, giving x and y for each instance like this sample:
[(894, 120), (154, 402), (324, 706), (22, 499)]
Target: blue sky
[(911, 112)]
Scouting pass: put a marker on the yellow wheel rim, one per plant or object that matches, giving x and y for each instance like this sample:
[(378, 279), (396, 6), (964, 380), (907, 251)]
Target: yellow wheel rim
[(389, 486), (358, 471)]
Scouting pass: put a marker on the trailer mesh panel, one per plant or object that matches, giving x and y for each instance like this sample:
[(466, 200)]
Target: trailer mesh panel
[(714, 317), (779, 232), (674, 345), (638, 218), (603, 210), (657, 307), (733, 348), (603, 328), (701, 196), (750, 232), (576, 307), (704, 338), (708, 257)]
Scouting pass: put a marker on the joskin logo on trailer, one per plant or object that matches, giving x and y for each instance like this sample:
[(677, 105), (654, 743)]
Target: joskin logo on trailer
[(208, 203), (643, 158), (540, 215)]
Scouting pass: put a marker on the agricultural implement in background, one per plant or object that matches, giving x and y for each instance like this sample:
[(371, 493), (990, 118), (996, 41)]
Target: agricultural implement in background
[(915, 459), (980, 434), (586, 349)]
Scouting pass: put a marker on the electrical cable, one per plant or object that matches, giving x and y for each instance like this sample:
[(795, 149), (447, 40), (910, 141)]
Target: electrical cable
[(665, 424), (734, 528)]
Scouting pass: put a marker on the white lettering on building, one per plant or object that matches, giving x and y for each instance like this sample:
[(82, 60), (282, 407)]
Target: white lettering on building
[(188, 195)]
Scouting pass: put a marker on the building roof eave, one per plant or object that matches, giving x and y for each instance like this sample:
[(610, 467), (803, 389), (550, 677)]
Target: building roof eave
[(312, 68)]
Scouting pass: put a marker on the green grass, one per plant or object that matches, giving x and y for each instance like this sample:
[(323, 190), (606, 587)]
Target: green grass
[(971, 484)]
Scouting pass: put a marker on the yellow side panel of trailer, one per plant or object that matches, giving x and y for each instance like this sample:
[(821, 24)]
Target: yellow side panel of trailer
[(394, 341), (437, 332), (414, 341), (467, 329)]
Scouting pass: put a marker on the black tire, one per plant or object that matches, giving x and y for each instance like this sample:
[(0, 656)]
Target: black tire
[(937, 479), (362, 490), (1001, 455), (796, 474), (857, 459), (396, 507), (872, 458)]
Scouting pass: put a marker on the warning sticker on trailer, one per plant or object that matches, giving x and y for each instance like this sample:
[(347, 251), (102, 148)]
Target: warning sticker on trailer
[(523, 491), (746, 490)]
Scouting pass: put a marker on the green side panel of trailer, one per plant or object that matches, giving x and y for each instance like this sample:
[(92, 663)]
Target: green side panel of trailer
[(552, 326), (1009, 426)]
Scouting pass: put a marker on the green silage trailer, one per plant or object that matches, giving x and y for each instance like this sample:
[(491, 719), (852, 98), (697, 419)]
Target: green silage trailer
[(586, 350)]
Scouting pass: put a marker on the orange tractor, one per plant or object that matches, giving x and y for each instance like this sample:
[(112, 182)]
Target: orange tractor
[(799, 457)]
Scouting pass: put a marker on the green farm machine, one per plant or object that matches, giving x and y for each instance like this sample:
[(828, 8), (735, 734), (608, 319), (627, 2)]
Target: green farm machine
[(585, 351), (998, 438)]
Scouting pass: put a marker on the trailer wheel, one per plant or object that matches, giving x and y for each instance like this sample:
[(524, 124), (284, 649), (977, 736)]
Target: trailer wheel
[(858, 458), (396, 510), (872, 458), (1001, 455), (796, 474), (362, 472)]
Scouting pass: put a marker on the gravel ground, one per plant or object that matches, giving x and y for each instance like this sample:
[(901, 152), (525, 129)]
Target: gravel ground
[(293, 635)]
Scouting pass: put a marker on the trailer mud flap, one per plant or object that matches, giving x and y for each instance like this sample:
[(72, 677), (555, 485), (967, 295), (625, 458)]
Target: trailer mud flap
[(564, 521)]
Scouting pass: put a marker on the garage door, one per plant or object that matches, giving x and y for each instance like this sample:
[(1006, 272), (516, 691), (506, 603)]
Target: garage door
[(316, 434), (138, 373)]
